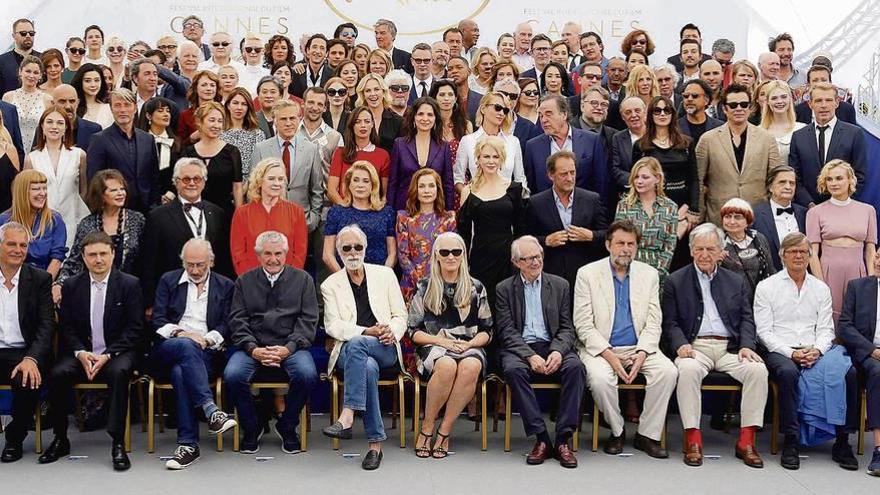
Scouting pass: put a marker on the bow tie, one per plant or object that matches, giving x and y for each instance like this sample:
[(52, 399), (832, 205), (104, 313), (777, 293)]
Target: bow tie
[(201, 205), (789, 210)]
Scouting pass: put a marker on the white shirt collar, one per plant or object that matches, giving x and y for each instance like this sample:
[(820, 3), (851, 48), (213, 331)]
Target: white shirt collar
[(106, 278), (536, 283), (14, 277), (774, 205), (281, 141), (703, 275), (831, 123), (184, 279)]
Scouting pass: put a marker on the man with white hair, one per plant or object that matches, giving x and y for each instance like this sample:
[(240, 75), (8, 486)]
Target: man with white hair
[(365, 314), (571, 33), (399, 84), (221, 54), (667, 81), (522, 56), (768, 66), (189, 56), (191, 319), (273, 319)]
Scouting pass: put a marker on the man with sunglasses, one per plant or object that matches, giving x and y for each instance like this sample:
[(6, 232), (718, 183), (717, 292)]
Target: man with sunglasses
[(696, 95), (221, 54), (365, 315), (23, 37), (399, 87), (733, 160), (722, 52), (537, 344), (422, 78), (590, 75)]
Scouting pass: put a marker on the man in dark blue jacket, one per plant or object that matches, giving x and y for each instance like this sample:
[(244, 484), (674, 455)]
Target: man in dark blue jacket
[(23, 34), (65, 97)]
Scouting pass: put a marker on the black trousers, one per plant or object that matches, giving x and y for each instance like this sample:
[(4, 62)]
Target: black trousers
[(24, 400), (69, 371), (519, 377), (786, 373), (871, 372)]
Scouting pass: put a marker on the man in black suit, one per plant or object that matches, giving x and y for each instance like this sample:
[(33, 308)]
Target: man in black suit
[(780, 215), (568, 221), (65, 97), (26, 327), (826, 139), (845, 112), (23, 34), (317, 71), (540, 49), (145, 85), (386, 32), (590, 75), (537, 343), (857, 328), (273, 319), (169, 226), (101, 330), (634, 113), (696, 96), (692, 32), (596, 107), (708, 325), (128, 149), (191, 320)]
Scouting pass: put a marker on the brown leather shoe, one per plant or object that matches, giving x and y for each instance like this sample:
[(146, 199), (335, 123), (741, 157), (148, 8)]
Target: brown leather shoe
[(565, 456), (649, 446), (540, 453), (614, 445), (749, 456), (693, 454)]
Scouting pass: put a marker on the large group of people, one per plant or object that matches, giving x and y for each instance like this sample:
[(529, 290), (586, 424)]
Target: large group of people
[(532, 210)]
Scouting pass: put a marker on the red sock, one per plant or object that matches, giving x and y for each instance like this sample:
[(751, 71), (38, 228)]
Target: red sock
[(747, 436), (693, 435)]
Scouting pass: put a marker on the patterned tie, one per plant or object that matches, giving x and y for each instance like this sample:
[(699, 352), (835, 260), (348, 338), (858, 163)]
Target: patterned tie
[(285, 157), (98, 346)]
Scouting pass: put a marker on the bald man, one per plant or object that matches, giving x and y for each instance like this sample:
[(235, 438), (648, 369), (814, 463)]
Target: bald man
[(768, 65), (65, 97), (713, 74), (470, 34)]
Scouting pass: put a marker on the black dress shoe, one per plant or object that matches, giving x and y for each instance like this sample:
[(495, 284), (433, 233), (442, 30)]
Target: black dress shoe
[(59, 448), (336, 430), (842, 454), (372, 460), (120, 458), (614, 444), (790, 458), (650, 447), (11, 452)]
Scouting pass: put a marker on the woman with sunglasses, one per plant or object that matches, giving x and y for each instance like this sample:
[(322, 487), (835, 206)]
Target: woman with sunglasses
[(362, 205), (205, 88), (116, 55), (360, 144), (637, 39), (350, 74), (480, 80), (91, 90), (336, 115), (53, 64), (555, 80), (450, 322), (243, 131), (778, 116), (28, 100), (529, 98), (76, 49), (374, 93), (156, 119), (267, 209)]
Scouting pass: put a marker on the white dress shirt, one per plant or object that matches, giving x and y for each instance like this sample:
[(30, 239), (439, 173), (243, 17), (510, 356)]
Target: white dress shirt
[(787, 319), (10, 328), (272, 278), (711, 324), (523, 60), (417, 85), (786, 223), (466, 159), (195, 218), (195, 316), (566, 145)]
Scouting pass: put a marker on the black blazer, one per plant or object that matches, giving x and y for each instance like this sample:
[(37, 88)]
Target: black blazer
[(858, 318), (543, 219), (10, 121), (847, 143), (846, 112), (389, 129), (298, 83), (170, 301), (9, 63), (510, 310), (683, 308), (106, 151), (765, 223), (524, 130), (614, 120), (85, 129), (36, 313), (166, 233), (402, 59), (621, 158), (123, 314)]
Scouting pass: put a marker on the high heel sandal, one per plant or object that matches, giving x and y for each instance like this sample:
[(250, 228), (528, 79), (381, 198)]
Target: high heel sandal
[(425, 450), (441, 452)]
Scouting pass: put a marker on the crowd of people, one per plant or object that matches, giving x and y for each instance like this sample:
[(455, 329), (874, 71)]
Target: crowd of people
[(533, 210)]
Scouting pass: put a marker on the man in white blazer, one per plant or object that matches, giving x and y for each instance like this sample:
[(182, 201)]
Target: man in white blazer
[(618, 322), (365, 314), (302, 159)]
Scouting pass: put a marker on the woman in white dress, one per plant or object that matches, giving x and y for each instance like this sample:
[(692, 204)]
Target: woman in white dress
[(92, 90), (29, 100), (778, 118), (64, 165)]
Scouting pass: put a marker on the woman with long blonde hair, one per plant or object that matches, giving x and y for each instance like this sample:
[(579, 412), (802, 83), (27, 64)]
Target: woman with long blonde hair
[(778, 116), (373, 93), (641, 82)]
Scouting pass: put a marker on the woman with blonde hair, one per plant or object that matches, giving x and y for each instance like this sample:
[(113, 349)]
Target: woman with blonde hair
[(450, 322), (745, 73), (641, 82), (48, 242), (361, 56), (657, 217), (778, 116), (267, 210), (759, 102), (374, 94), (364, 206), (116, 53), (842, 232), (379, 63), (482, 63)]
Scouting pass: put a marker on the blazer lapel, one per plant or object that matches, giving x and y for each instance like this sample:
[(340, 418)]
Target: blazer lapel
[(433, 152), (410, 146), (373, 295), (213, 300), (727, 145), (836, 138), (519, 301), (24, 294), (109, 290), (180, 221), (545, 303)]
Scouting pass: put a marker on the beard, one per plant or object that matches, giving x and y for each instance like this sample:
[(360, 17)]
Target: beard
[(353, 264), (622, 260)]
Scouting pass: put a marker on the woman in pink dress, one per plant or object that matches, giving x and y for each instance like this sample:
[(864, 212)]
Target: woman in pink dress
[(842, 232)]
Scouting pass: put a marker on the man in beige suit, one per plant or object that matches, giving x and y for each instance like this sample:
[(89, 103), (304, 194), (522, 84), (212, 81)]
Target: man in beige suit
[(617, 319), (733, 160), (365, 314)]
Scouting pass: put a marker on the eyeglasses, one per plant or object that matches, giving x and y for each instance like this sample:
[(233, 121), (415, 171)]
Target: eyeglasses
[(114, 49), (167, 47), (399, 88), (446, 252), (598, 104), (511, 96), (542, 49), (348, 247), (25, 34), (421, 60), (733, 105), (592, 77), (500, 108), (253, 49), (337, 92), (661, 110), (531, 92), (191, 180), (218, 44), (77, 51), (724, 63), (192, 25), (691, 96), (529, 259)]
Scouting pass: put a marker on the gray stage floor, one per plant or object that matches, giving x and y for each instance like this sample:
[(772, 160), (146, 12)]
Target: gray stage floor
[(467, 471)]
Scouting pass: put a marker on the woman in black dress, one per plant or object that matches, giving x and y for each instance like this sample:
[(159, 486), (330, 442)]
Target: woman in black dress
[(491, 216), (223, 187)]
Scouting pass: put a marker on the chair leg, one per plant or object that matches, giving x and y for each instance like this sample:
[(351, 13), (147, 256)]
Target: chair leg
[(128, 423), (402, 410), (595, 427), (663, 436), (417, 407), (151, 431), (38, 434), (219, 393), (304, 422), (235, 431), (141, 405), (394, 409), (862, 415), (160, 408), (507, 413), (774, 446), (334, 406), (498, 394)]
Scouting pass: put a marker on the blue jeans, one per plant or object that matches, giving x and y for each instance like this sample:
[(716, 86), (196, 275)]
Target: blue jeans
[(302, 377), (362, 357), (188, 366)]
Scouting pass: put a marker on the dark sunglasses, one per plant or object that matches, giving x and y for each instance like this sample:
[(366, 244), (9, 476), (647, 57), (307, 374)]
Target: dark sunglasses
[(398, 88), (114, 49), (24, 34), (218, 44), (741, 104), (500, 108), (510, 96), (691, 96), (77, 51), (337, 92), (253, 49), (640, 42), (661, 110), (592, 77), (348, 247), (724, 63), (446, 252), (531, 92)]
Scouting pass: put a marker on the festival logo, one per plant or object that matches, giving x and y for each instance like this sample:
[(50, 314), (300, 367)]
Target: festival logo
[(424, 16)]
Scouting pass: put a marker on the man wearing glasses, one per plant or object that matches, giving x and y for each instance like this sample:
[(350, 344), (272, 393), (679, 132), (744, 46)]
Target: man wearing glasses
[(23, 35), (194, 30), (541, 55), (221, 54), (590, 76), (422, 78), (696, 96)]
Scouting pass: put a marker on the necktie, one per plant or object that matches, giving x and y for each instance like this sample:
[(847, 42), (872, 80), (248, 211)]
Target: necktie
[(198, 204), (285, 157), (424, 91), (822, 129), (98, 345), (789, 210)]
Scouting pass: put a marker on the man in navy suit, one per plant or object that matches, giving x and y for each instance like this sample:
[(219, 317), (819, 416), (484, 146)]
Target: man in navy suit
[(568, 221), (857, 328), (559, 135), (459, 70), (130, 150), (101, 330), (190, 316), (23, 34), (540, 49), (422, 78), (845, 112), (65, 97), (826, 139), (386, 32), (780, 216), (10, 121)]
